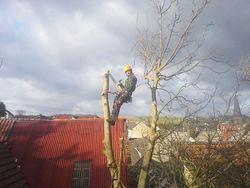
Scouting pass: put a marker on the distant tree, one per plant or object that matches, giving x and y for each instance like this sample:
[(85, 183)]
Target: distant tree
[(2, 110)]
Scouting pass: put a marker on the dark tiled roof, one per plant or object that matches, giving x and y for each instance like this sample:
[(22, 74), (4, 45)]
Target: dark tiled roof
[(136, 150), (10, 173), (238, 152)]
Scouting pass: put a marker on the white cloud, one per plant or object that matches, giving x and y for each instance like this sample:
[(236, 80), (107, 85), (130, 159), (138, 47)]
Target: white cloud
[(88, 107)]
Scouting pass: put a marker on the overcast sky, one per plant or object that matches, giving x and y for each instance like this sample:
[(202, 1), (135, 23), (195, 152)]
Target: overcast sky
[(56, 51)]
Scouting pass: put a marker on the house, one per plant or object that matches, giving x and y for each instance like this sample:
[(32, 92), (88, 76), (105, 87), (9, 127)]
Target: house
[(64, 153), (139, 130), (137, 133)]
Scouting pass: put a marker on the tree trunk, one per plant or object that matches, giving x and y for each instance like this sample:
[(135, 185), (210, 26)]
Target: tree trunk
[(108, 150), (146, 161), (143, 178)]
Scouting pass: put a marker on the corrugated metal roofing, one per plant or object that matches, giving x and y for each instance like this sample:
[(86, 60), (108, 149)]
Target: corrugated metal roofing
[(47, 150), (6, 126)]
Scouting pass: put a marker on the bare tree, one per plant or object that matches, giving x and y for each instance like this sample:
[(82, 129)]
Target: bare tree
[(170, 57), (219, 157)]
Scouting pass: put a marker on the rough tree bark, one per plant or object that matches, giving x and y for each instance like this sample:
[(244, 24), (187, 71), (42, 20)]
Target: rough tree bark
[(115, 171), (152, 137)]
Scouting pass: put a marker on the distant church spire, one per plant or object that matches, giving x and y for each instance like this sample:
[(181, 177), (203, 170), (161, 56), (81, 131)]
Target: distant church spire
[(237, 111)]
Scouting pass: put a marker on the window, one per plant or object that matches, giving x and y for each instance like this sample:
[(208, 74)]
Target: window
[(81, 174)]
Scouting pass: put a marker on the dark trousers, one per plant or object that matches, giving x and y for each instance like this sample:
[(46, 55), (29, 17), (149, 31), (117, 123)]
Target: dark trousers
[(119, 100)]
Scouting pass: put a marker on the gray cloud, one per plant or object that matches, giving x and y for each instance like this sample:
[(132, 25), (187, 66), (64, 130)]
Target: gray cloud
[(55, 52)]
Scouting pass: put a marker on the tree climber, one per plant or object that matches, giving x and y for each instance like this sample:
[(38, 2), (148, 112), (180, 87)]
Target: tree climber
[(125, 94)]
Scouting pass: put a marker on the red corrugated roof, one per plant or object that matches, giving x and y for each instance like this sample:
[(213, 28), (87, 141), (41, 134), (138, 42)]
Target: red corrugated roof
[(6, 126), (48, 149)]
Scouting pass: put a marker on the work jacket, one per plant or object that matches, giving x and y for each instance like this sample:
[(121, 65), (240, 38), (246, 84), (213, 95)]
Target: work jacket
[(130, 84)]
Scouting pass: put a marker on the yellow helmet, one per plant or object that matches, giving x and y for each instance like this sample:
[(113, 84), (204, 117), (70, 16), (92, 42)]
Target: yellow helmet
[(127, 68)]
